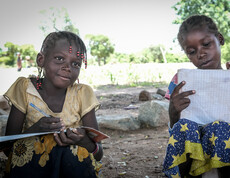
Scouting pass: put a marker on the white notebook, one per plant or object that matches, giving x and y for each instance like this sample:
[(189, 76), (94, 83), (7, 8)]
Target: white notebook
[(96, 135), (211, 101)]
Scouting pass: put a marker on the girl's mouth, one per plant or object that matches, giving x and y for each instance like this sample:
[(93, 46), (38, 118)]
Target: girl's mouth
[(64, 78), (205, 63)]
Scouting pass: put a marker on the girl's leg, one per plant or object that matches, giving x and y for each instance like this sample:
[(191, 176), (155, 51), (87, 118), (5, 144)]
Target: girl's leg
[(185, 168)]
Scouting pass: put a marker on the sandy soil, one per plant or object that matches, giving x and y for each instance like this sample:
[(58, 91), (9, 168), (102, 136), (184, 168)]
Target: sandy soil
[(135, 154)]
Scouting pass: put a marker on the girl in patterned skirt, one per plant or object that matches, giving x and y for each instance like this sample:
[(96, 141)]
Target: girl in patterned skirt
[(67, 105), (196, 150)]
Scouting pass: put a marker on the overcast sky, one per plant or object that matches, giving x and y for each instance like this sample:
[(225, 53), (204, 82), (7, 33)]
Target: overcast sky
[(130, 24)]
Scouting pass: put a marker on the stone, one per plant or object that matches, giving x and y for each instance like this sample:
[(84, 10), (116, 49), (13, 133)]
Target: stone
[(161, 92), (118, 122), (144, 96), (158, 97), (3, 122), (4, 104), (153, 113)]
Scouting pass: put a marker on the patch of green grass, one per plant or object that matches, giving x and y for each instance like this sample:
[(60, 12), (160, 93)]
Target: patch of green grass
[(160, 84), (139, 84), (130, 75)]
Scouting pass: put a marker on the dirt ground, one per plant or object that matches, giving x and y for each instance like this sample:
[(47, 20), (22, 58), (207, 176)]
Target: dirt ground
[(132, 154)]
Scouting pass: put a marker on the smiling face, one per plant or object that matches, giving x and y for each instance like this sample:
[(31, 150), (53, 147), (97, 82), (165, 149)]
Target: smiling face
[(61, 67), (203, 48)]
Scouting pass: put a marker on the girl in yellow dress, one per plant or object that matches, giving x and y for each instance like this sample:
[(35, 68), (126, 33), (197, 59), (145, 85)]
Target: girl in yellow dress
[(67, 105)]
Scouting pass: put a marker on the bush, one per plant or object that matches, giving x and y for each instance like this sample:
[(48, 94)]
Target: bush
[(225, 50), (7, 60), (176, 58)]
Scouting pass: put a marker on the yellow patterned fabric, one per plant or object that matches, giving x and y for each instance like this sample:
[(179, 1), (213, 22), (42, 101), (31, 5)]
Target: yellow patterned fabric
[(43, 146), (83, 153), (23, 152), (79, 100), (208, 146)]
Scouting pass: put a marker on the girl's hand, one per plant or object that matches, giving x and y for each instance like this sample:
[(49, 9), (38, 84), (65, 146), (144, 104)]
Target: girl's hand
[(73, 137), (178, 102), (47, 124), (79, 136)]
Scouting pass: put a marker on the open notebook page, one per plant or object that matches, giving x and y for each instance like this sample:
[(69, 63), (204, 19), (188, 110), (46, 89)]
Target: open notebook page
[(211, 101)]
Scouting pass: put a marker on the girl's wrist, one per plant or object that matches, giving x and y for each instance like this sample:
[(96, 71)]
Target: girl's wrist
[(96, 150)]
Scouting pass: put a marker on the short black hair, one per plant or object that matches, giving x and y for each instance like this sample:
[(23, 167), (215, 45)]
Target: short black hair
[(196, 22), (50, 40)]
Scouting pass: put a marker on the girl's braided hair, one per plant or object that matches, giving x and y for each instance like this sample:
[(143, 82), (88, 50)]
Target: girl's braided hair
[(50, 40), (193, 23)]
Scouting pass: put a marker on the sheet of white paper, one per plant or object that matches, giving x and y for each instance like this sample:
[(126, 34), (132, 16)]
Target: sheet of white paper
[(211, 101), (93, 133), (19, 136)]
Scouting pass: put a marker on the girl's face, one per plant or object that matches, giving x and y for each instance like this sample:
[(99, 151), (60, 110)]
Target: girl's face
[(61, 67), (203, 49)]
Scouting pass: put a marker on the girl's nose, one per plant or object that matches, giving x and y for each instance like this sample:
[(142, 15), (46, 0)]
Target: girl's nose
[(201, 54), (66, 66)]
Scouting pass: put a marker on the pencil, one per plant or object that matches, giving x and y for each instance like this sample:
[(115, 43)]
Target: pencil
[(38, 109)]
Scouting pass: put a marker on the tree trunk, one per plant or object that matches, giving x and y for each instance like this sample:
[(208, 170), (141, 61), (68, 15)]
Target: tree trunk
[(163, 54), (99, 61)]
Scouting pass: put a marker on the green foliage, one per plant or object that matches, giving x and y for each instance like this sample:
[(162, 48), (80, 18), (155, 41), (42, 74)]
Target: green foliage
[(219, 10), (12, 49), (133, 77), (124, 58), (130, 74), (176, 58), (9, 56), (113, 79), (53, 17), (100, 47), (133, 58), (119, 58), (28, 50), (152, 54), (6, 60), (225, 51), (147, 55), (69, 25)]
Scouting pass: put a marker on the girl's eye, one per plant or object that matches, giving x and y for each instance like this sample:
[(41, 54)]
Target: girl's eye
[(190, 52), (59, 58), (76, 65), (207, 44)]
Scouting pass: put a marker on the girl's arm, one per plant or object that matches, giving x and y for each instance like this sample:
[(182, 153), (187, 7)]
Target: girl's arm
[(79, 136), (178, 102), (46, 124), (14, 124), (15, 121), (89, 120)]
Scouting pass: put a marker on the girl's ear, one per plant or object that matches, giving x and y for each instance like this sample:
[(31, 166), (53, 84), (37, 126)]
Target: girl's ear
[(40, 60), (220, 38)]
